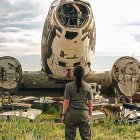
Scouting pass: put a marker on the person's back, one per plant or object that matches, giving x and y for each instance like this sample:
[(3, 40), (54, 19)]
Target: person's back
[(77, 107), (78, 100)]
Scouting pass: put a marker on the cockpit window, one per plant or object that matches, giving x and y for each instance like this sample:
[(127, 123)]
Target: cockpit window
[(73, 15)]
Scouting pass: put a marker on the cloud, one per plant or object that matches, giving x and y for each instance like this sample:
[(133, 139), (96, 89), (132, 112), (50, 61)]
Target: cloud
[(18, 49), (132, 24), (133, 31), (22, 42), (30, 62), (21, 25), (137, 38), (114, 20), (117, 26), (17, 15), (9, 29)]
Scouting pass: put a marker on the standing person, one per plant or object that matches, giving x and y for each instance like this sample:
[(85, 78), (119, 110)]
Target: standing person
[(77, 107)]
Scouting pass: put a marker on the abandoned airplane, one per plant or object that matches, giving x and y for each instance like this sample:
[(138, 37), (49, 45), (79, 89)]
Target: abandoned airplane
[(68, 40)]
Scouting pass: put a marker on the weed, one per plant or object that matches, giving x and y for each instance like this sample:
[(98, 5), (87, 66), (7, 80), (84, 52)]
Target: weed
[(44, 128)]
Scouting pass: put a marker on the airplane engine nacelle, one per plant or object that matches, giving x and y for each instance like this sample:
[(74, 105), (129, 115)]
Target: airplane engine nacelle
[(68, 38), (10, 73), (125, 73)]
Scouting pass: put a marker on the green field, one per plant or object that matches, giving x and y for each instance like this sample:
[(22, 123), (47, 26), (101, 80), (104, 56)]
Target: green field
[(44, 128)]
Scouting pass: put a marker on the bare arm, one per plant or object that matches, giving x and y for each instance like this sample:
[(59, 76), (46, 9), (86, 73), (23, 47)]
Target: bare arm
[(65, 106), (90, 104)]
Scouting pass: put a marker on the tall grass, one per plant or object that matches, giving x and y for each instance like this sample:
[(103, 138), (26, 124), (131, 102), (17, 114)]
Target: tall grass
[(44, 128), (23, 129)]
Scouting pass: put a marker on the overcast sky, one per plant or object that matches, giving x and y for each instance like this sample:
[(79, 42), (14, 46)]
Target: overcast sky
[(22, 21)]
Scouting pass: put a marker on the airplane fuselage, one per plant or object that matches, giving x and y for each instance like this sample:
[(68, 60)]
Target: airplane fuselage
[(68, 39)]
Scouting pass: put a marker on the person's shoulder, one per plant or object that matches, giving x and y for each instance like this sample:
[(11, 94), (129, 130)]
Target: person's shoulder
[(70, 83), (87, 85)]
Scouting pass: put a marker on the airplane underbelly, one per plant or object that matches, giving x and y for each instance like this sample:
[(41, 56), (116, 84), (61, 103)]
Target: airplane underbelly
[(63, 68)]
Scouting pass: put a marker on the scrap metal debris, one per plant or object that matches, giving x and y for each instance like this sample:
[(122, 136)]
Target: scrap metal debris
[(130, 113), (30, 114), (98, 115)]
